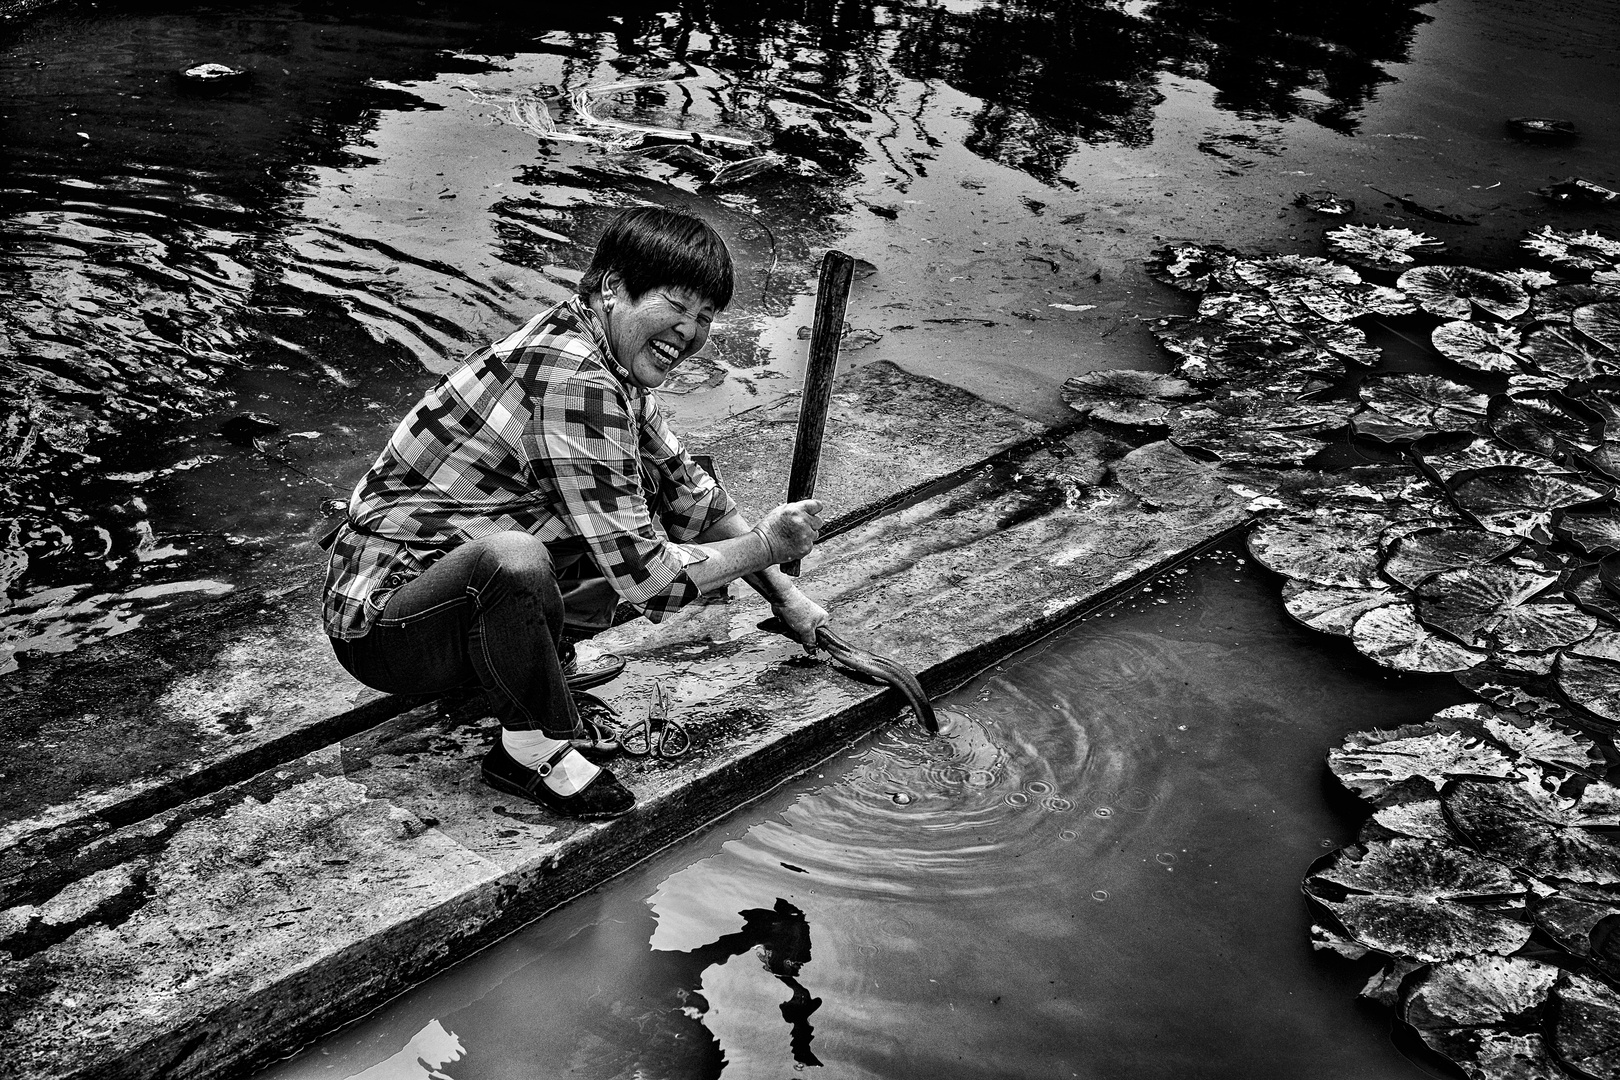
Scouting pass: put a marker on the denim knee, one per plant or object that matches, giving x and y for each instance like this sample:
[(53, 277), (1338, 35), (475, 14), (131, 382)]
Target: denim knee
[(519, 562)]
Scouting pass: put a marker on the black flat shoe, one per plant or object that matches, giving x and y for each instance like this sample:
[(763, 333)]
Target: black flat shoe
[(582, 676), (604, 797)]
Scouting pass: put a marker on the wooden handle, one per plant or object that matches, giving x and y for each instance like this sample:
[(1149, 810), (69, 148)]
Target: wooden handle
[(832, 297)]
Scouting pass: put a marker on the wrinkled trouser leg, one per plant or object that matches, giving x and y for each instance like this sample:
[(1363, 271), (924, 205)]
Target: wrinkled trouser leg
[(489, 612)]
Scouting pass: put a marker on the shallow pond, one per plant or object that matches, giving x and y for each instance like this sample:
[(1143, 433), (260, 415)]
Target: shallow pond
[(1094, 873), (382, 192)]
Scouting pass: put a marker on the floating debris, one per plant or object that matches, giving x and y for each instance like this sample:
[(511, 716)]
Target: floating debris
[(244, 429), (1424, 212), (211, 78), (1325, 202), (1542, 129), (1577, 192)]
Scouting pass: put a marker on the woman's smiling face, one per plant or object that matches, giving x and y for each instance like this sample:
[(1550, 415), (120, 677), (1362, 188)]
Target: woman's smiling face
[(651, 335)]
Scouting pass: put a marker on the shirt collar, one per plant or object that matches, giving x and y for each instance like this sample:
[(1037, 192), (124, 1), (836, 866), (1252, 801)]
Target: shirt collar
[(587, 315)]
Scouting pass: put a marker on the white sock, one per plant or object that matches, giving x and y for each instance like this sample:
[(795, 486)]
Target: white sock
[(530, 748)]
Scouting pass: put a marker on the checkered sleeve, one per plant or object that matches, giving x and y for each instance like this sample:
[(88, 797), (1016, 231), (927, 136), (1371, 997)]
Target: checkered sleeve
[(582, 443), (689, 500)]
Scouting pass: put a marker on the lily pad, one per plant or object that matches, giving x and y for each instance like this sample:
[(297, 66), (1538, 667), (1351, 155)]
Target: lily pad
[(1570, 915), (1410, 808), (1574, 250), (1392, 636), (1194, 267), (1126, 397), (1586, 1035), (1537, 422), (1478, 991), (1601, 323), (1414, 558), (1378, 248), (1427, 401), (1545, 743), (1490, 1053), (1603, 462), (1329, 609), (1485, 454), (1558, 303), (1161, 475), (1452, 292), (1348, 343), (1526, 826), (1595, 533), (1331, 549), (1518, 502), (1372, 424), (1502, 607), (1370, 762), (1479, 346), (1516, 691), (1590, 679), (1585, 587), (1282, 272), (1213, 352), (1416, 899), (1385, 987), (1268, 449), (1555, 350)]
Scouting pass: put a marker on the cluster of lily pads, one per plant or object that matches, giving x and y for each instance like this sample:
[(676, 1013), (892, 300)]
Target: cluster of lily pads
[(1485, 543)]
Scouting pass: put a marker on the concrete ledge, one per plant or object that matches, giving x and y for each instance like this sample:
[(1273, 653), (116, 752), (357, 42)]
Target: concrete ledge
[(145, 721), (229, 929)]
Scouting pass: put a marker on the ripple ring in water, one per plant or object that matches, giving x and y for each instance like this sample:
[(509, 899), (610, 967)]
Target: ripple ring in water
[(981, 778), (1068, 834), (1099, 895), (1104, 811), (1135, 800), (1058, 804), (950, 774), (1164, 858), (1017, 798), (1038, 787)]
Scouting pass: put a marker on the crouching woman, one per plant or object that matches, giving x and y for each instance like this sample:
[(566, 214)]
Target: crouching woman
[(514, 507)]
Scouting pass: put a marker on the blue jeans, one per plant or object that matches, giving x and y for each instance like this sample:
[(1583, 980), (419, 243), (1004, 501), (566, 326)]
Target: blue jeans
[(490, 613)]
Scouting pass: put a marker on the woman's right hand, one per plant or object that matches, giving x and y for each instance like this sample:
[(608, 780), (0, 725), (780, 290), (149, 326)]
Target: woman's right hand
[(790, 530)]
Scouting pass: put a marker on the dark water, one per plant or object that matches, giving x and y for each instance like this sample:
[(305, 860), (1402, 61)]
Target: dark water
[(316, 243), (1094, 873)]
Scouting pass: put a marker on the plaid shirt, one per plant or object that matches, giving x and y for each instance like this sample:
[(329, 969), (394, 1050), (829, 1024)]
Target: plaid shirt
[(542, 432)]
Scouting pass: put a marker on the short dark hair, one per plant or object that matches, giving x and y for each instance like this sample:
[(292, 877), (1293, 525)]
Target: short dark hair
[(652, 246)]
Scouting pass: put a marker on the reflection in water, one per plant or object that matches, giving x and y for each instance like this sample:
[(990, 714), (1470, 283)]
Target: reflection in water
[(996, 923), (318, 242)]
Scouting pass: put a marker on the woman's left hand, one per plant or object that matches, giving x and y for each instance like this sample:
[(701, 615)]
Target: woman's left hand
[(802, 616)]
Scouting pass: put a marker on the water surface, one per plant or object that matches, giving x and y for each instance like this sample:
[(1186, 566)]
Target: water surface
[(1094, 873), (317, 243)]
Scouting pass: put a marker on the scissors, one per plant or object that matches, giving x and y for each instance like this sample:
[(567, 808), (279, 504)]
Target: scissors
[(657, 735)]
